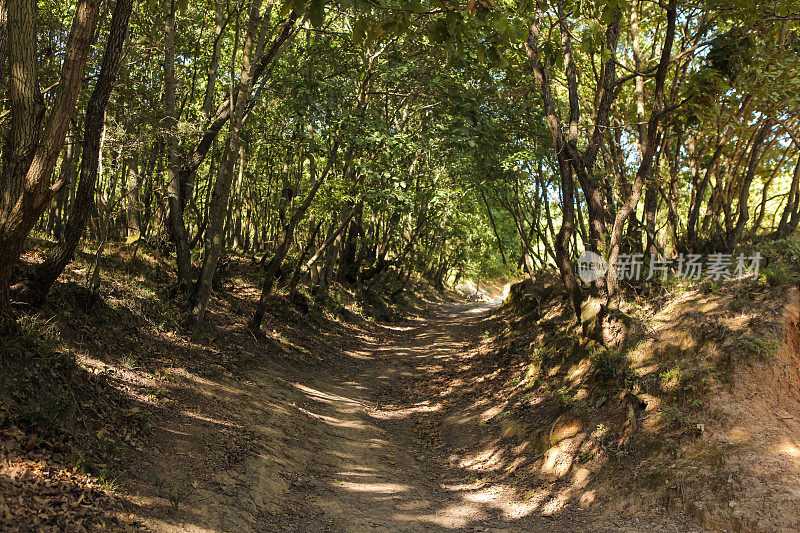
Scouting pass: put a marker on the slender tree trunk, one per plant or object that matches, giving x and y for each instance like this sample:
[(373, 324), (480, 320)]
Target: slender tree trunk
[(650, 147), (238, 202), (321, 290), (35, 287), (215, 235), (542, 77), (286, 240), (651, 195), (791, 212), (69, 166), (765, 191), (494, 229), (3, 47), (347, 271), (133, 210), (175, 186), (224, 112), (380, 261), (332, 237), (699, 194), (526, 244), (105, 219), (734, 235), (298, 269), (211, 81)]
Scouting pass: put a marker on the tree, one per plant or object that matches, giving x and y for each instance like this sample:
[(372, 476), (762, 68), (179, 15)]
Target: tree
[(34, 287), (35, 137)]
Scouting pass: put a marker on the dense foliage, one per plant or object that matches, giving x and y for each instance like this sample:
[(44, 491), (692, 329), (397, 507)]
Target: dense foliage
[(369, 141)]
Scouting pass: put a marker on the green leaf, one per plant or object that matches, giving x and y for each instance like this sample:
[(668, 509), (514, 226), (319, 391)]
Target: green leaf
[(492, 56), (287, 8), (520, 31), (500, 23), (389, 26), (437, 32), (600, 402), (360, 29), (316, 12), (607, 15), (298, 6)]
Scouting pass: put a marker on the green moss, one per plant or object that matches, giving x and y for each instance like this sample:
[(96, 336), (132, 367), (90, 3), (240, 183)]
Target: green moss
[(762, 347)]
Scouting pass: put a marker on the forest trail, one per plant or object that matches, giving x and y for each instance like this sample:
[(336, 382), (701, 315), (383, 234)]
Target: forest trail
[(385, 449), (213, 216)]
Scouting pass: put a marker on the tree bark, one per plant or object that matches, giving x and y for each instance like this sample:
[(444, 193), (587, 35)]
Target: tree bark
[(133, 209), (31, 153), (332, 237), (3, 47), (734, 235), (298, 269), (211, 81), (198, 154), (36, 286), (218, 209), (650, 146), (791, 212), (494, 229), (542, 78), (175, 181)]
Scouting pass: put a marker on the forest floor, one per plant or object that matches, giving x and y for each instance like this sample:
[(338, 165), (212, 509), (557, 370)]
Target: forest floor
[(349, 428), (459, 417), (389, 449), (373, 442)]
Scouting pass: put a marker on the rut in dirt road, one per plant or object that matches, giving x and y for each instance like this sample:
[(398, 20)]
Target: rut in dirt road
[(388, 440)]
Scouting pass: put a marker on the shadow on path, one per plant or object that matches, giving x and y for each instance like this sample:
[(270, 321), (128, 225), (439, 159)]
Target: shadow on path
[(380, 462)]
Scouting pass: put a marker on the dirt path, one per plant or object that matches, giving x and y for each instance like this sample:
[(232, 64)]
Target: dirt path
[(384, 454)]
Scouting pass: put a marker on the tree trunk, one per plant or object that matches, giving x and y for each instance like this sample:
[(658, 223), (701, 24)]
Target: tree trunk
[(650, 146), (218, 209), (133, 209), (31, 153), (36, 286), (298, 269), (69, 167), (3, 47), (542, 77), (332, 237), (283, 246), (211, 81), (348, 271), (733, 236), (223, 113), (321, 290), (236, 230), (791, 213), (176, 181), (494, 230)]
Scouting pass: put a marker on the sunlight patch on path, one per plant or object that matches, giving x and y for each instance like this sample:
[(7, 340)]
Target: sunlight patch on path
[(375, 488)]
